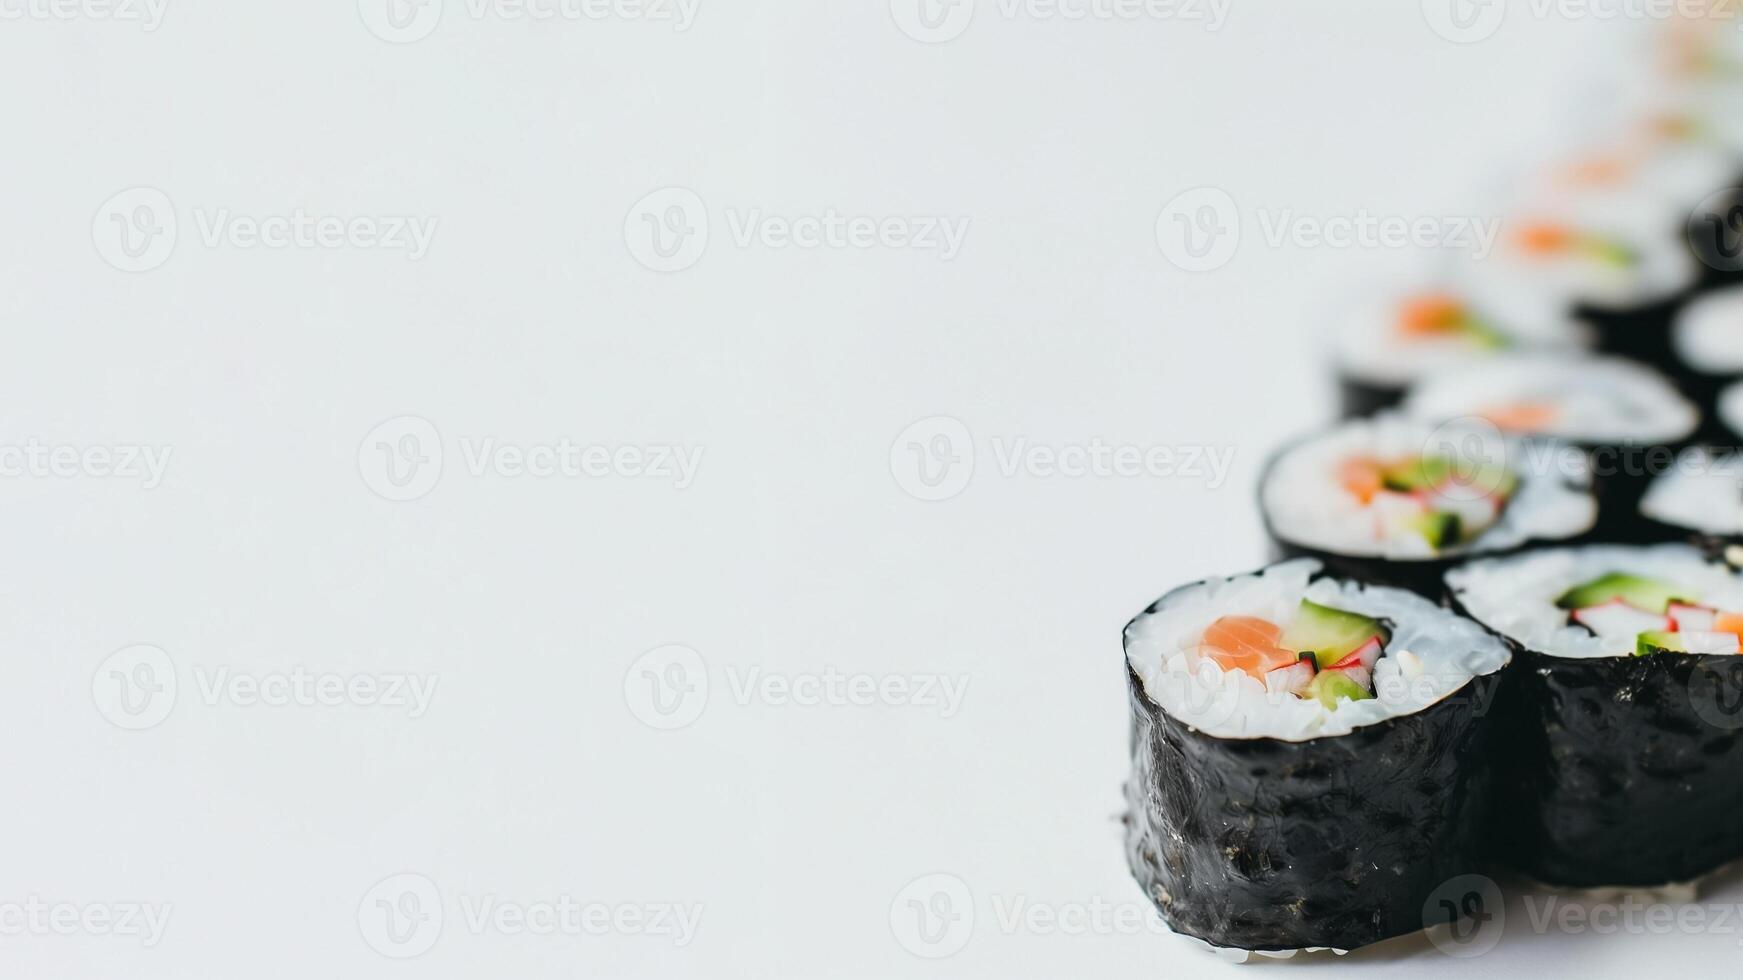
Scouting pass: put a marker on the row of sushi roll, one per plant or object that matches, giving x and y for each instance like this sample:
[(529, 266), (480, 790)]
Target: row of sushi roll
[(1504, 629)]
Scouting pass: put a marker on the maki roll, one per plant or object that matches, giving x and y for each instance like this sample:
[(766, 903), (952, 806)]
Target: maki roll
[(1308, 758), (1618, 262), (1707, 337), (1624, 733), (1396, 338), (1700, 500), (1629, 419), (1399, 501)]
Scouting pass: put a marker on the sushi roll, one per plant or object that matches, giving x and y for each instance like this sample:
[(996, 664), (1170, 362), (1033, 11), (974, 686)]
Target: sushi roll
[(1624, 725), (1400, 501), (1700, 500), (1620, 262), (1395, 338), (1707, 338), (1629, 419), (1309, 758)]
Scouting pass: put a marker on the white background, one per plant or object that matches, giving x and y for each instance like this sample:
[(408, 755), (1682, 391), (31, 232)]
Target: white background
[(797, 548)]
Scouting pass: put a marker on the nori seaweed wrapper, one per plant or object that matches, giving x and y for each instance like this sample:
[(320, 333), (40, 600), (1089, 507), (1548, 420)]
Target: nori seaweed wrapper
[(1641, 332), (1358, 398), (1339, 841), (1621, 771), (1621, 475)]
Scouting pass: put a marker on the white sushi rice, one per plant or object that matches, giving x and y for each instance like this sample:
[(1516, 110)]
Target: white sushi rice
[(1516, 596), (1730, 409), (1702, 492), (1597, 400), (1708, 334), (1371, 347), (1433, 654), (1307, 506)]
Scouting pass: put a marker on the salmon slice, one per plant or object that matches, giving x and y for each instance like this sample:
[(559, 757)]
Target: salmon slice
[(1522, 416), (1362, 476), (1245, 643), (1435, 313)]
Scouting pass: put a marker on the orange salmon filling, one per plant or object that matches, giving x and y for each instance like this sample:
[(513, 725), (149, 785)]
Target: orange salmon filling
[(1431, 314), (1246, 643), (1522, 417)]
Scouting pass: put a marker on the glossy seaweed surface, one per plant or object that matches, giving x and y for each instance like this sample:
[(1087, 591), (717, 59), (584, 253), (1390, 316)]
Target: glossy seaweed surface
[(1622, 771), (1337, 842)]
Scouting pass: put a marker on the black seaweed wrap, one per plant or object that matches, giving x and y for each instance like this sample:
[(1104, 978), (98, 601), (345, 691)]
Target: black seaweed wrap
[(1339, 842), (1622, 771)]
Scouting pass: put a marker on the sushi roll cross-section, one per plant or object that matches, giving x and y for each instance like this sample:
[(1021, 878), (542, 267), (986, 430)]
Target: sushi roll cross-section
[(1397, 501), (1624, 719), (1309, 758), (1629, 419), (1395, 338)]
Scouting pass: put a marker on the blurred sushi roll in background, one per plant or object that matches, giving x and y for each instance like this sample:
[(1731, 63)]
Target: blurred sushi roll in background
[(1629, 419), (1700, 500), (1707, 340), (1309, 758), (1392, 339), (1399, 501), (1624, 735)]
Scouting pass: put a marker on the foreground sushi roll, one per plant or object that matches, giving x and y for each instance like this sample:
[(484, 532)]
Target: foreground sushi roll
[(1308, 758), (1624, 731), (1629, 419), (1396, 338), (1399, 501)]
